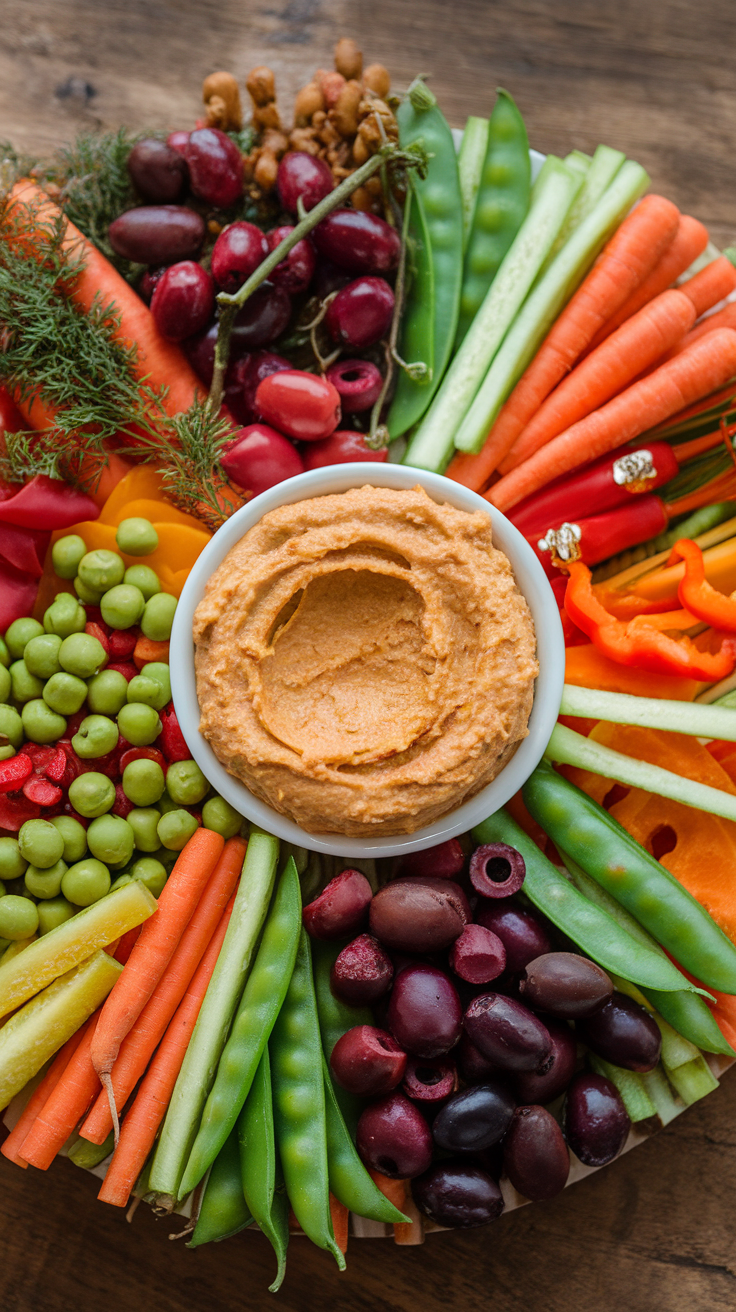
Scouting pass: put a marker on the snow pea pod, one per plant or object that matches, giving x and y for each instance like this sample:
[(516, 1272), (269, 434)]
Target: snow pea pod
[(606, 852), (263, 1183), (335, 1019), (349, 1180), (224, 1210)]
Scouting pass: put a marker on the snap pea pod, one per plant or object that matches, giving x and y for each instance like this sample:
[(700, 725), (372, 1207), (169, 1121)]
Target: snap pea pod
[(349, 1180), (470, 160), (224, 1210), (299, 1105), (586, 924), (261, 1174), (259, 1006), (606, 852), (335, 1019), (436, 227), (88, 1155)]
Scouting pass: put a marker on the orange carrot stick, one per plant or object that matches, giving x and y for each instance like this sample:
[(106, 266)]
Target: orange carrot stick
[(725, 318), (65, 1104), (147, 649), (141, 1124), (631, 254), (139, 1045), (696, 372), (712, 284), (340, 1215), (10, 1148), (153, 951)]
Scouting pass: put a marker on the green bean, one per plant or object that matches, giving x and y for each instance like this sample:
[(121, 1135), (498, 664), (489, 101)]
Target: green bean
[(349, 1180), (260, 1168), (299, 1105), (335, 1019), (263, 995), (223, 1211)]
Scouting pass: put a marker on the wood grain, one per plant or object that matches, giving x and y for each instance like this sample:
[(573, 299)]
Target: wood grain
[(654, 78)]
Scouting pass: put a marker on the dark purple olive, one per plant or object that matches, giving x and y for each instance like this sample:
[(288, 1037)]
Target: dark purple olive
[(424, 1012), (508, 1033), (262, 319), (446, 860), (367, 1061), (623, 1033), (596, 1122), (215, 167), (341, 908), (473, 1066), (393, 1137), (183, 301), (475, 1118), (294, 273), (565, 985), (157, 171), (535, 1155), (149, 281), (157, 234), (358, 241), (362, 972), (429, 1082), (419, 914), (521, 933), (497, 870), (236, 254), (242, 379), (478, 955), (360, 314), (533, 1088), (359, 383), (457, 1195), (302, 175)]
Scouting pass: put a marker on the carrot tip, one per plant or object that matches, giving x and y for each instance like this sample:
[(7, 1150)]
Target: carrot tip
[(107, 1085)]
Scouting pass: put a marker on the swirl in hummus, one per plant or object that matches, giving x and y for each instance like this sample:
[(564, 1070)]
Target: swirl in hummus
[(365, 661)]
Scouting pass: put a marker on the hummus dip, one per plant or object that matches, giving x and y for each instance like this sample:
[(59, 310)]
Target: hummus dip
[(365, 661)]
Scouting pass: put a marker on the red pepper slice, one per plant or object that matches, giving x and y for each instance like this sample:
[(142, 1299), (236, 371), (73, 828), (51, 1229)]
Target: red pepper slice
[(18, 591), (699, 596), (96, 630), (141, 754), (47, 503), (24, 548), (40, 790), (122, 805), (126, 668), (171, 738), (56, 768), (40, 754), (14, 811), (14, 772), (73, 766), (122, 643)]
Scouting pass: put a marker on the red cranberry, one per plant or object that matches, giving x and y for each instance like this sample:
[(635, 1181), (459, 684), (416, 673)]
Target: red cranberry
[(424, 1012), (359, 383), (178, 141), (394, 1138), (302, 175), (183, 301), (521, 933), (360, 314), (367, 1061), (259, 458), (340, 448), (362, 972), (157, 234), (445, 861), (149, 282), (429, 1082), (158, 171), (497, 870), (122, 643), (328, 279), (262, 319), (534, 1088), (122, 805), (419, 915), (236, 254), (215, 167), (508, 1033), (478, 955), (243, 378), (294, 273), (299, 404), (341, 908), (358, 241)]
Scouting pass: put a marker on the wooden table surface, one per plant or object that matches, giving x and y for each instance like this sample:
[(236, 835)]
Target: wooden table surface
[(654, 78)]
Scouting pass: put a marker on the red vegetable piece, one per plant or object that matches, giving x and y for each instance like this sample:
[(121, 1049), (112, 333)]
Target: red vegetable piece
[(18, 590), (478, 955), (96, 630), (14, 772), (122, 805), (73, 767), (39, 754), (126, 668), (40, 790), (14, 811), (445, 861), (56, 768), (141, 754), (24, 548), (171, 738), (47, 503), (122, 643)]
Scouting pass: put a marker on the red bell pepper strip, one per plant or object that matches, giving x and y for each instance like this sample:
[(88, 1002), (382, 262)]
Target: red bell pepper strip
[(46, 503), (637, 644), (38, 789), (14, 811), (597, 537), (18, 591), (699, 596), (24, 548), (14, 772), (173, 742)]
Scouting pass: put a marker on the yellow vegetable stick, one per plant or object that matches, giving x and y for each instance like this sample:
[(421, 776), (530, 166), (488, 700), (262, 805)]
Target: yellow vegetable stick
[(40, 1028), (70, 943)]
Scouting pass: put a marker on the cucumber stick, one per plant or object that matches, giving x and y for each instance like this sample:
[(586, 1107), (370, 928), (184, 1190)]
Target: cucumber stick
[(554, 192), (599, 175), (470, 165), (633, 1092), (696, 718), (542, 307)]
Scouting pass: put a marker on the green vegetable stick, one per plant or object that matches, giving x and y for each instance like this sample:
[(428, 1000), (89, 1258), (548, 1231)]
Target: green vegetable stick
[(693, 1080), (599, 175), (695, 718), (470, 164), (634, 1095), (213, 1023), (656, 1084)]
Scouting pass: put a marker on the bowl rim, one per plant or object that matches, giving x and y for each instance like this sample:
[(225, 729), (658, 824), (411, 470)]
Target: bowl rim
[(532, 583)]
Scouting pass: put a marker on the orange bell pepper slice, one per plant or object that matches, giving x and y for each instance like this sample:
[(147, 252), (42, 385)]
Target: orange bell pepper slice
[(697, 594)]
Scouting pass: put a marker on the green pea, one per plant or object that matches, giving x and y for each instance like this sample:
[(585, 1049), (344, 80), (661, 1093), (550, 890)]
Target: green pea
[(92, 794), (45, 883), (40, 843), (144, 578), (82, 654), (176, 828), (167, 857), (107, 692), (86, 882), (158, 617), (111, 839), (6, 752), (159, 671), (18, 917), (11, 725), (96, 736), (136, 537), (74, 836), (66, 555), (139, 724), (12, 862), (185, 783), (121, 881), (151, 873), (166, 804), (40, 723), (42, 655), (64, 693), (6, 683), (4, 653), (143, 821), (101, 569), (64, 615), (24, 685), (220, 816), (20, 632), (90, 596), (122, 606), (148, 691), (53, 913), (143, 782)]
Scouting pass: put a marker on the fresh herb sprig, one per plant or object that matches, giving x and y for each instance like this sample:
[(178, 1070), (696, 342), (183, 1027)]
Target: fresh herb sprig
[(94, 187), (186, 451)]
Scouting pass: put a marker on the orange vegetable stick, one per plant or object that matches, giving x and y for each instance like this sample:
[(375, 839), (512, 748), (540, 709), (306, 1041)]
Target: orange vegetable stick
[(339, 1214), (696, 372), (146, 649), (631, 254), (65, 1104), (10, 1148), (139, 1045), (126, 944), (712, 284), (725, 318), (153, 951), (141, 1124)]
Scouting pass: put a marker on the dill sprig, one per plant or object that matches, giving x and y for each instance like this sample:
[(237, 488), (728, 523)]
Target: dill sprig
[(186, 451), (94, 187)]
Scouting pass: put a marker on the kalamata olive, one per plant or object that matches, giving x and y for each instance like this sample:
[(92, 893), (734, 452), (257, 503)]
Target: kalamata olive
[(236, 254), (215, 167), (497, 870), (360, 314), (183, 300), (474, 1118), (299, 404), (534, 1088), (341, 908), (157, 171), (458, 1195), (367, 1061), (302, 175), (262, 319), (623, 1032), (473, 1066), (566, 985), (328, 278), (520, 932), (535, 1155), (508, 1033), (259, 458), (178, 141), (294, 273), (429, 1082), (157, 234), (149, 281), (243, 377), (596, 1122), (419, 914), (393, 1137), (424, 1012), (444, 861), (478, 955), (490, 1160), (362, 973), (358, 241), (340, 448), (359, 383)]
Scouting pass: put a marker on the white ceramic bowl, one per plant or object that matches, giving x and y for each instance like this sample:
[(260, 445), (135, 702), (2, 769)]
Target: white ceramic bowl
[(531, 580)]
